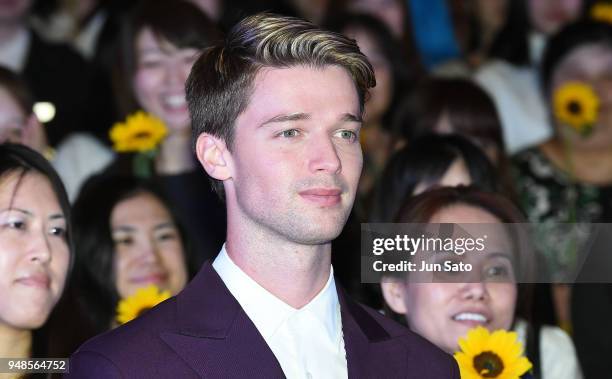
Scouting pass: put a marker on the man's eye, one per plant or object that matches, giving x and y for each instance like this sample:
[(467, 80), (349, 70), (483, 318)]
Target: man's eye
[(348, 135), (289, 133)]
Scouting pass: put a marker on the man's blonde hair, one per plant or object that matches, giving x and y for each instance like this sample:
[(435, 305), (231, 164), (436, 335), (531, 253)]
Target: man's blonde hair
[(221, 81)]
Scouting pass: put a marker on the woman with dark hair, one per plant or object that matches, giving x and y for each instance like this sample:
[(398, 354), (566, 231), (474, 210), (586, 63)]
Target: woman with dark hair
[(444, 309), (75, 158), (568, 179), (126, 237), (159, 44), (35, 249), (511, 77), (431, 160), (458, 106), (485, 19)]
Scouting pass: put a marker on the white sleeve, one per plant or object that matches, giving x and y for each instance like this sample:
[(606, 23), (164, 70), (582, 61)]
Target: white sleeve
[(559, 360)]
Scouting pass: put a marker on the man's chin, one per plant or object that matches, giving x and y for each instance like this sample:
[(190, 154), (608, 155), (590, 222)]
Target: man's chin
[(320, 236)]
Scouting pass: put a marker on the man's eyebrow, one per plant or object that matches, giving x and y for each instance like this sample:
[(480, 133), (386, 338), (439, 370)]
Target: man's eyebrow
[(349, 117), (286, 117), (346, 117)]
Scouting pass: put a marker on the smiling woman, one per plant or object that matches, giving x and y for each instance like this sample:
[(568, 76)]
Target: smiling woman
[(127, 238), (160, 41), (445, 308), (35, 249)]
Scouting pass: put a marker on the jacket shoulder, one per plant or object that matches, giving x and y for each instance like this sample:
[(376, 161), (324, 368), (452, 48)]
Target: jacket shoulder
[(425, 359), (129, 350)]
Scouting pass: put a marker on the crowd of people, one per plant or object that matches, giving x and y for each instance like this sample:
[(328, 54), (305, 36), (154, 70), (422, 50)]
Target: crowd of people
[(465, 124)]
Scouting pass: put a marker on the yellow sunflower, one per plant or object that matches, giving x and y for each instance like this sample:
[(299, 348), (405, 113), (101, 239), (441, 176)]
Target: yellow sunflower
[(576, 104), (141, 132), (142, 300), (602, 12), (491, 355)]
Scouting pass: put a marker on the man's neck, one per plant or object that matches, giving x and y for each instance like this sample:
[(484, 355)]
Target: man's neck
[(292, 272)]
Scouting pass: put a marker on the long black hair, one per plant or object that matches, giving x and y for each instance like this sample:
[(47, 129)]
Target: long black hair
[(425, 160), (566, 40), (178, 22), (512, 42), (22, 160), (95, 285), (15, 158)]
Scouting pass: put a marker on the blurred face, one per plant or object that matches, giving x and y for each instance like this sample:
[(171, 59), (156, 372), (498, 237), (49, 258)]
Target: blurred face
[(14, 10), (444, 312), (456, 175), (491, 13), (148, 248), (380, 96), (296, 158), (548, 16), (389, 11), (34, 254), (591, 64), (12, 119), (212, 8), (159, 80), (489, 147)]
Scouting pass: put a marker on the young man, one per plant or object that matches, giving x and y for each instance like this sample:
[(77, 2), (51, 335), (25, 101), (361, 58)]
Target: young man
[(276, 113)]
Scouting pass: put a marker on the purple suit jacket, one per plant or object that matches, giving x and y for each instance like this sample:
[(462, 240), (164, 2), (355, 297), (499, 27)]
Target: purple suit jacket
[(203, 332)]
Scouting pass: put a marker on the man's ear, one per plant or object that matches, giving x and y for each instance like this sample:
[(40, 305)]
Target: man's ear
[(214, 156), (394, 292)]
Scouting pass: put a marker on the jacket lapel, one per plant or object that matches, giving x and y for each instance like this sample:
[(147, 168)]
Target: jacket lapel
[(215, 337), (370, 350)]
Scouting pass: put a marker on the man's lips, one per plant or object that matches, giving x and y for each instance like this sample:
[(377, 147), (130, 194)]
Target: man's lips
[(322, 196)]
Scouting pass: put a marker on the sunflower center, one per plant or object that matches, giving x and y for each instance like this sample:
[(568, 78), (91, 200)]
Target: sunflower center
[(574, 107), (488, 364), (142, 135)]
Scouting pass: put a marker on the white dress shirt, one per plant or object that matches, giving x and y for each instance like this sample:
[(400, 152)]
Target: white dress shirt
[(307, 342)]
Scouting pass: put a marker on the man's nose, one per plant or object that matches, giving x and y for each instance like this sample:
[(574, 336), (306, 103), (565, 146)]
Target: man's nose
[(323, 156)]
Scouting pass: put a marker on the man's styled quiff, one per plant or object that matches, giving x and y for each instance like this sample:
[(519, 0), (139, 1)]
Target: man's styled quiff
[(221, 81)]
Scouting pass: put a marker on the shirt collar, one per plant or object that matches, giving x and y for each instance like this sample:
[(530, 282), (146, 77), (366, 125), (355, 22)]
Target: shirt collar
[(267, 311)]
